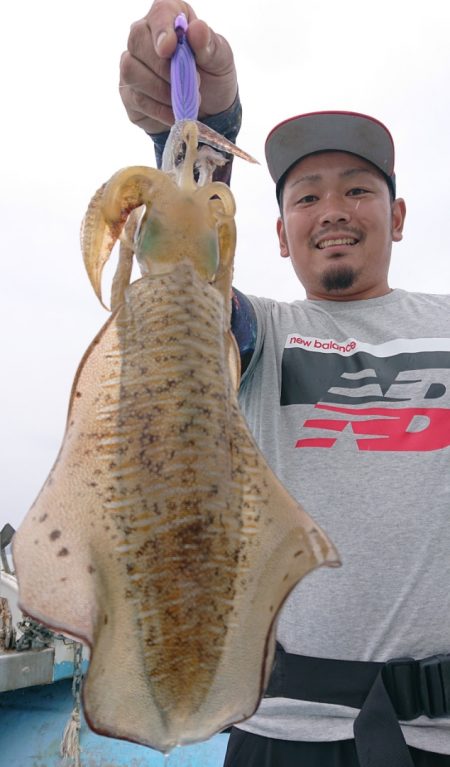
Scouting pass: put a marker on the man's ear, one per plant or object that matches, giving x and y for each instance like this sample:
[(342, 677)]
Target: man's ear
[(398, 219), (284, 250)]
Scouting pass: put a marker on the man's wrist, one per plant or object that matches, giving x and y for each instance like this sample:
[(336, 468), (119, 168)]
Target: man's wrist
[(227, 123)]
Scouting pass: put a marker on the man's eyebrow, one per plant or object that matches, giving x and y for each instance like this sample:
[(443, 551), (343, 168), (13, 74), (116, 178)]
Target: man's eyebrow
[(357, 171), (347, 173), (310, 178)]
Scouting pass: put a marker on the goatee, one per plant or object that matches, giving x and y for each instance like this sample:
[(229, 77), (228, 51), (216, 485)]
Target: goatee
[(339, 278)]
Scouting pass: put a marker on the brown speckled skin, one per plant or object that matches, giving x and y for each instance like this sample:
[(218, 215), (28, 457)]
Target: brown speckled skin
[(161, 537)]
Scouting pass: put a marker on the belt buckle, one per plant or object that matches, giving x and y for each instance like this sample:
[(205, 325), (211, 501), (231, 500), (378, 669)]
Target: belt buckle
[(434, 684), (401, 679)]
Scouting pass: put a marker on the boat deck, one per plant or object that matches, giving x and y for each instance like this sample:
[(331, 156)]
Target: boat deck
[(32, 722)]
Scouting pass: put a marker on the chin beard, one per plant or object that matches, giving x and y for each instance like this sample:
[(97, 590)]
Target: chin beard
[(338, 278)]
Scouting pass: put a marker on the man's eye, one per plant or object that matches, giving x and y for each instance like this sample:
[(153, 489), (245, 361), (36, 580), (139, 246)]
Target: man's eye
[(307, 198), (356, 191)]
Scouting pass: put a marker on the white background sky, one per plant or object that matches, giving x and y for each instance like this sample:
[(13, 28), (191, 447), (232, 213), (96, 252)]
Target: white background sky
[(64, 131)]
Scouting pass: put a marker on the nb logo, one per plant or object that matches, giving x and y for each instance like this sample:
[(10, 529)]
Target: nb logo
[(398, 429)]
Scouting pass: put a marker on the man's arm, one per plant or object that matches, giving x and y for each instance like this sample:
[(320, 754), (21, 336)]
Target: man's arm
[(145, 77), (145, 92), (244, 327)]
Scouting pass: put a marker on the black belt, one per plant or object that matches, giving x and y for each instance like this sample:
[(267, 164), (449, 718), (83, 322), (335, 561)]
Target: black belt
[(402, 688)]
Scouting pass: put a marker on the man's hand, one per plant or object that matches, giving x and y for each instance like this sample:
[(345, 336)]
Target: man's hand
[(145, 67)]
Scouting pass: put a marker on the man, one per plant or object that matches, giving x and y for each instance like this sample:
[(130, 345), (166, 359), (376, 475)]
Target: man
[(348, 396)]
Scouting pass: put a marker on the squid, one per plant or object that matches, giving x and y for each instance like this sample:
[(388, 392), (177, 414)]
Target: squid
[(161, 537)]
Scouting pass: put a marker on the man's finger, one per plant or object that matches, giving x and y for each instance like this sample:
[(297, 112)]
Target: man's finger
[(160, 21), (212, 52), (153, 80), (139, 107)]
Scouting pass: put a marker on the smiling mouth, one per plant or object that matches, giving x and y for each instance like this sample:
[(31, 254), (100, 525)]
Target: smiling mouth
[(336, 242)]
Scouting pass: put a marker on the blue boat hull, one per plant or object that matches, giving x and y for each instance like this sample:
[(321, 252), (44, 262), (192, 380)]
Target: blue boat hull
[(32, 722)]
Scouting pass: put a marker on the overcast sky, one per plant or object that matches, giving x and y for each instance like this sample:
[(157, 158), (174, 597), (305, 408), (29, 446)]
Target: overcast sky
[(64, 132)]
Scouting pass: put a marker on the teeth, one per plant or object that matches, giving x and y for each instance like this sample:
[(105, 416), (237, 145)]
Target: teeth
[(340, 241)]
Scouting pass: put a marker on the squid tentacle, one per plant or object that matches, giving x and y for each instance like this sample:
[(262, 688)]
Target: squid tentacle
[(122, 276), (107, 215)]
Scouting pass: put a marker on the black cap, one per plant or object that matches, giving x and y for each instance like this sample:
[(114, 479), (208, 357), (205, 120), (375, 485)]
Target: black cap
[(350, 132)]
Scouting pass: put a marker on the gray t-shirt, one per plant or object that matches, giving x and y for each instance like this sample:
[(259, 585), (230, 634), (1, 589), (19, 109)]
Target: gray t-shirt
[(350, 403)]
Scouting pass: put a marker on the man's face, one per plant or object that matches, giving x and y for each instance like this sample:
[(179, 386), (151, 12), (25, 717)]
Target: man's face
[(338, 226)]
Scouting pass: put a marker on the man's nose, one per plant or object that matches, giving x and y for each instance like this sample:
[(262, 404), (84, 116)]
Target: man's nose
[(335, 211)]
